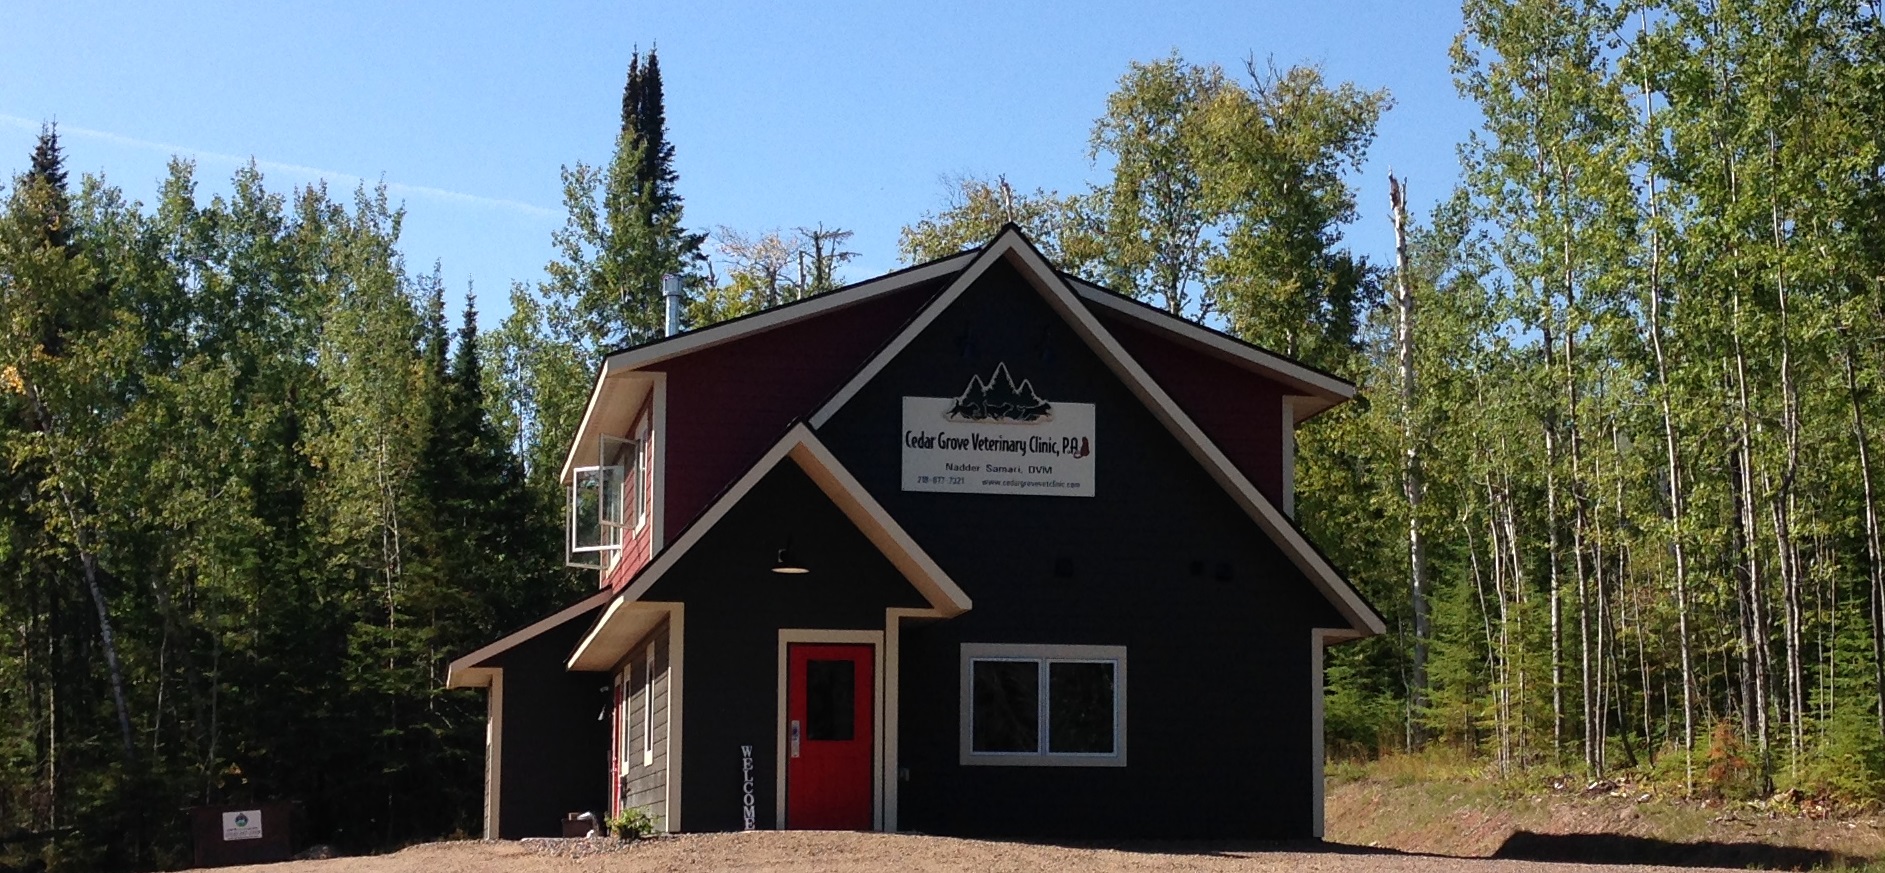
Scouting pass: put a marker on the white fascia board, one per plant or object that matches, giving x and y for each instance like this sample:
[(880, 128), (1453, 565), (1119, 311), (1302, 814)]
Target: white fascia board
[(1011, 244), (1005, 245), (629, 360), (725, 332), (1327, 389), (469, 672), (614, 406), (589, 411), (875, 523), (802, 447)]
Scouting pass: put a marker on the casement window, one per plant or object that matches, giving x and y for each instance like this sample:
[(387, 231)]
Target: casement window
[(1043, 705), (595, 515), (610, 498)]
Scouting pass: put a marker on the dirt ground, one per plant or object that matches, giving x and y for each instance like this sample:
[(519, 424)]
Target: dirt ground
[(1376, 824), (844, 852)]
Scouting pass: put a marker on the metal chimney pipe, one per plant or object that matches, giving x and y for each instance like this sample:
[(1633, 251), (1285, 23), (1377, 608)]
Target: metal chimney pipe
[(671, 289)]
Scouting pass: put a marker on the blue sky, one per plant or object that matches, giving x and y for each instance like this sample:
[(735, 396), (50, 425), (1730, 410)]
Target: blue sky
[(782, 115)]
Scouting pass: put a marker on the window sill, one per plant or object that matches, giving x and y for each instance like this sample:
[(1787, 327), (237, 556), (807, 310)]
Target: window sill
[(996, 759)]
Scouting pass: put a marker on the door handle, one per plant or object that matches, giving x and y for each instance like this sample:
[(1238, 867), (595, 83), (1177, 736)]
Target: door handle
[(792, 736)]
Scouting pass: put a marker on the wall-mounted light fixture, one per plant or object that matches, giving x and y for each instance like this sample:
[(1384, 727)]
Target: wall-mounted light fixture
[(788, 563)]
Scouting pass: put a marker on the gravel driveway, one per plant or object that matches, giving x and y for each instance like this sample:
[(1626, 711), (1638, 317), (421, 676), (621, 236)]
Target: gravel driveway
[(843, 852)]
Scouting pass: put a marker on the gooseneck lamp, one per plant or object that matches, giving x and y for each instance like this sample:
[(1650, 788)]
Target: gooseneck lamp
[(787, 563)]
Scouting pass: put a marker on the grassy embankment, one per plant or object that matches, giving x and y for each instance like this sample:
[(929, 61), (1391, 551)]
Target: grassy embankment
[(1442, 802)]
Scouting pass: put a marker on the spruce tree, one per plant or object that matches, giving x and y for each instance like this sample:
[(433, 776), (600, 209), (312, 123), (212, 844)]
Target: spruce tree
[(624, 229), (48, 168)]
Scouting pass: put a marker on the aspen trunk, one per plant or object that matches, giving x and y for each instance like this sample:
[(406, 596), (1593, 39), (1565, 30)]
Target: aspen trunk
[(1574, 487), (1412, 485), (1787, 547), (88, 564), (1672, 456), (1557, 601), (1754, 589), (1874, 561)]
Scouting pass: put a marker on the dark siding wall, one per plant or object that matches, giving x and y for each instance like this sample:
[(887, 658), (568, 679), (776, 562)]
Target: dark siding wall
[(728, 405), (554, 746), (1241, 411), (1218, 705), (646, 766), (735, 608)]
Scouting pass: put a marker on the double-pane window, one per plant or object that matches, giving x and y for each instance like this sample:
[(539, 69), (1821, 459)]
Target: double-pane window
[(1059, 705)]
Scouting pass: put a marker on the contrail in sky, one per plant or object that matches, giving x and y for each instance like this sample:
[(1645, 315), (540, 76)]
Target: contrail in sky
[(297, 169)]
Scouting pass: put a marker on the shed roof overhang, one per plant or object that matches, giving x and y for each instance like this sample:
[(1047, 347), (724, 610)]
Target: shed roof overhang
[(476, 670)]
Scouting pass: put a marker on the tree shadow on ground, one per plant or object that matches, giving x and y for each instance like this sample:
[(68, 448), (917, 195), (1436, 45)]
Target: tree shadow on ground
[(1622, 849), (1218, 848), (1521, 846)]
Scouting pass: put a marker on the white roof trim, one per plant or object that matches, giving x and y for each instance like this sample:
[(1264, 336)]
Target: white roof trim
[(707, 337), (803, 447), (576, 442), (1011, 244), (465, 672), (1292, 374)]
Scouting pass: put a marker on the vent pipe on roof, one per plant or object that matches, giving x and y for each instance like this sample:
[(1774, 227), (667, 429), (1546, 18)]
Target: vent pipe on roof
[(671, 290)]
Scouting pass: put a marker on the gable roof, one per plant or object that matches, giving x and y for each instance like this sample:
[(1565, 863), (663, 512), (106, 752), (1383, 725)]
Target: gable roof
[(612, 390), (1319, 390), (1013, 246), (801, 446)]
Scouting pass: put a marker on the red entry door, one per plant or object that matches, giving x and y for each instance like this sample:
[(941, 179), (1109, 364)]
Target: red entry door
[(828, 736)]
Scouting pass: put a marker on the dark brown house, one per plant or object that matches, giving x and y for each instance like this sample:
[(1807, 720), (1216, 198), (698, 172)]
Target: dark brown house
[(972, 548)]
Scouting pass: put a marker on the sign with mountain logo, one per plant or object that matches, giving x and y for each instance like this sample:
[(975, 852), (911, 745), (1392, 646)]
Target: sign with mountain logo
[(998, 437), (242, 825)]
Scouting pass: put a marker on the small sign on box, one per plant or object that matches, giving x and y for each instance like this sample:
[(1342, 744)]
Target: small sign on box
[(254, 832), (245, 824)]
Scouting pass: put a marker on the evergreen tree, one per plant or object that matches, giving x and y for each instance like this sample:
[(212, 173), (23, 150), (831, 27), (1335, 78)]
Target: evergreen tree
[(624, 230), (48, 169)]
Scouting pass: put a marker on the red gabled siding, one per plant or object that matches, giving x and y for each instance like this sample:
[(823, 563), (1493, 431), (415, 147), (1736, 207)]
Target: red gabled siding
[(637, 551), (729, 403), (1240, 411), (637, 545)]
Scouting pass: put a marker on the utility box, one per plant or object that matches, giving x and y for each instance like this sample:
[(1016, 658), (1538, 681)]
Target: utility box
[(247, 833), (576, 827)]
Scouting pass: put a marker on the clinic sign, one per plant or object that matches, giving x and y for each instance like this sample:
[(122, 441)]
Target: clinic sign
[(998, 437)]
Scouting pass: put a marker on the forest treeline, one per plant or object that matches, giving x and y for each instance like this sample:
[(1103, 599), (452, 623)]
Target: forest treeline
[(1610, 479)]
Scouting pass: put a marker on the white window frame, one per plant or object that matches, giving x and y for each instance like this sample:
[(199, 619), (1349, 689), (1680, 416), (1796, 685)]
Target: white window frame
[(639, 477), (602, 553), (624, 715), (1042, 656), (648, 710)]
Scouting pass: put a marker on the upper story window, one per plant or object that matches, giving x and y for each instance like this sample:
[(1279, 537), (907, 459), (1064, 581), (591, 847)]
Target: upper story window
[(610, 498), (638, 484)]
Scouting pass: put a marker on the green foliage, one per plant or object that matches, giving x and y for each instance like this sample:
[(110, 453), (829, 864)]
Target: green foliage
[(254, 506), (975, 209), (633, 823), (623, 231)]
